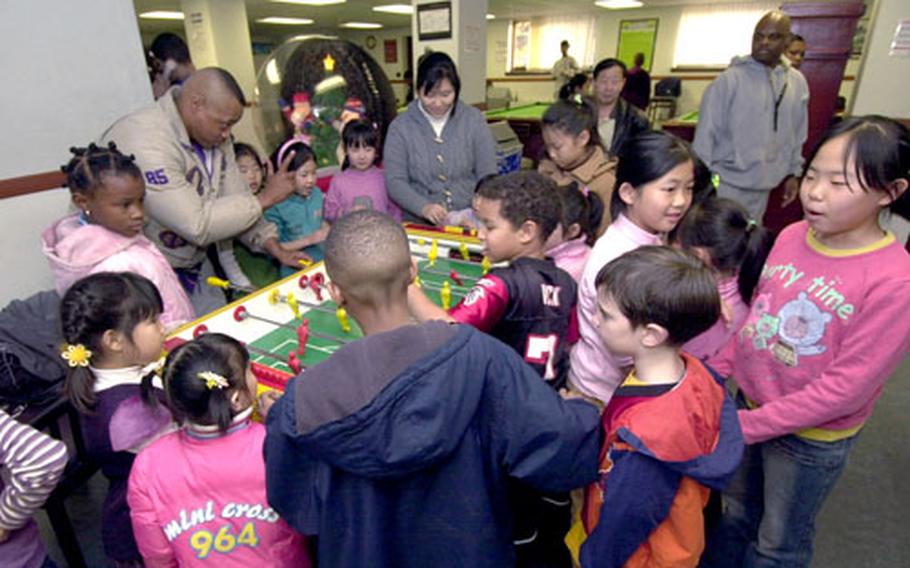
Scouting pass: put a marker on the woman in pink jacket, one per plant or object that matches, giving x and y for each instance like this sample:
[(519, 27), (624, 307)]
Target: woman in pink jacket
[(106, 235), (197, 496)]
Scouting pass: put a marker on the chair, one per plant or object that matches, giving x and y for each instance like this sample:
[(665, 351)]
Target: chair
[(661, 108), (666, 92)]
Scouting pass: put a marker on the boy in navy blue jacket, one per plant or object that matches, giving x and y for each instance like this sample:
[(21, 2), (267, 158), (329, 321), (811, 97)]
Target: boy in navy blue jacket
[(397, 449), (530, 306)]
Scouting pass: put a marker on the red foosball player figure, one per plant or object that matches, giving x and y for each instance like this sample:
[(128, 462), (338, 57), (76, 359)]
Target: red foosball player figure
[(294, 362), (303, 335)]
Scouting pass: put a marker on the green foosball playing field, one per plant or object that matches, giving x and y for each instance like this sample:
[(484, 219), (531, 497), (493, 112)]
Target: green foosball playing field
[(274, 321), (284, 340)]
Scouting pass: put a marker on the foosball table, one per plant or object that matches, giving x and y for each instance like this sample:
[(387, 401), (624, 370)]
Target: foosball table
[(293, 324)]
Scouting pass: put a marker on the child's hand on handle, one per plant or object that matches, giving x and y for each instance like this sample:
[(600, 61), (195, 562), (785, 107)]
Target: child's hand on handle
[(265, 402), (279, 185), (434, 213), (294, 258), (286, 256)]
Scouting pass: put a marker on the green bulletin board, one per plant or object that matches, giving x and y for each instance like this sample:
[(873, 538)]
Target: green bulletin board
[(637, 36)]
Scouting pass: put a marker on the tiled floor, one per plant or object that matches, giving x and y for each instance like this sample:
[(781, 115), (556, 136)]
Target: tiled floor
[(864, 523)]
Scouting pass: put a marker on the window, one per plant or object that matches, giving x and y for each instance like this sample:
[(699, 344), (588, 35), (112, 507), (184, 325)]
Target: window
[(520, 42), (710, 36), (534, 45)]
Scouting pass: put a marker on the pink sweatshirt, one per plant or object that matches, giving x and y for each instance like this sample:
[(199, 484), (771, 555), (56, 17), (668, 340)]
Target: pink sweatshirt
[(707, 344), (353, 189), (593, 370), (197, 498), (571, 256), (826, 329), (75, 250)]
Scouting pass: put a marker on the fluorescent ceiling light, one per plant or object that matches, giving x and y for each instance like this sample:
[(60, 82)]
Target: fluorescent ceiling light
[(491, 17), (311, 2), (312, 36), (361, 25), (618, 4), (404, 9), (285, 21), (272, 73), (161, 15)]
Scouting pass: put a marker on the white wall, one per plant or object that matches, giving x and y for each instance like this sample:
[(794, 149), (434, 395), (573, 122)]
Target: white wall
[(218, 35), (883, 80), (393, 71), (607, 36), (466, 46), (71, 67)]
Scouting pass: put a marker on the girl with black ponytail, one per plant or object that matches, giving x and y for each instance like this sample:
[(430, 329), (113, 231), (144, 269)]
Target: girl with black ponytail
[(574, 152), (720, 232), (213, 463), (114, 338), (570, 243)]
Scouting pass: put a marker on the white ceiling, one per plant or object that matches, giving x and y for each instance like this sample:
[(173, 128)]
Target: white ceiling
[(327, 18)]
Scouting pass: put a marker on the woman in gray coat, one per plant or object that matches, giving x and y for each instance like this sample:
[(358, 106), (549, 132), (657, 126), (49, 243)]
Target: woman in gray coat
[(438, 149)]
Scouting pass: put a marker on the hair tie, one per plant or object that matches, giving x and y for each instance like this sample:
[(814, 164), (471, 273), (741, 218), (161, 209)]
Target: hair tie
[(76, 355), (751, 224), (715, 181), (576, 98), (290, 142), (213, 380), (585, 190)]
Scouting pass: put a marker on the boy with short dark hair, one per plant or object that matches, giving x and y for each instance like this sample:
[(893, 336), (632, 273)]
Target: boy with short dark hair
[(530, 306), (672, 432), (396, 450)]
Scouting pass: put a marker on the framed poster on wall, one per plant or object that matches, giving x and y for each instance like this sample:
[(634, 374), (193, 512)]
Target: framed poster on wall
[(390, 47), (637, 36), (434, 21)]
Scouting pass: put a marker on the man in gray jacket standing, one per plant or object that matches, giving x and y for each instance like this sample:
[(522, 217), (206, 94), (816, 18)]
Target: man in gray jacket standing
[(194, 193), (753, 121)]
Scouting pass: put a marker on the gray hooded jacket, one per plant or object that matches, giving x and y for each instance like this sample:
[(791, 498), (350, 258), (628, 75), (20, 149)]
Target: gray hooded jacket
[(737, 135)]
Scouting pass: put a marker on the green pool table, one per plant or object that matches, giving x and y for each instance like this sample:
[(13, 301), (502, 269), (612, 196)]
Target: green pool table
[(524, 112), (525, 120), (683, 126)]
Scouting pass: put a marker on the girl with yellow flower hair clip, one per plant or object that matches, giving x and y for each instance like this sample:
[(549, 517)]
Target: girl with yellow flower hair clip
[(110, 323), (214, 461)]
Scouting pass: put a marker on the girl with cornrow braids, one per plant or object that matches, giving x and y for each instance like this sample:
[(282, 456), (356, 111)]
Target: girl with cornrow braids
[(106, 234)]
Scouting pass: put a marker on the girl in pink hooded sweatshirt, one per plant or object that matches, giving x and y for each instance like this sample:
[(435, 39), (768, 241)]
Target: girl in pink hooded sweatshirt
[(197, 496), (569, 245), (106, 235)]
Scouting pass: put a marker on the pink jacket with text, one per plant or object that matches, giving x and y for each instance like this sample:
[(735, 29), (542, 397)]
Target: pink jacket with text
[(197, 498), (826, 329)]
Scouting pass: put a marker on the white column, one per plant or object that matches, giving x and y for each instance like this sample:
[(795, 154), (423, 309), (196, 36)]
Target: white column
[(467, 46), (218, 35), (881, 83), (883, 77)]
